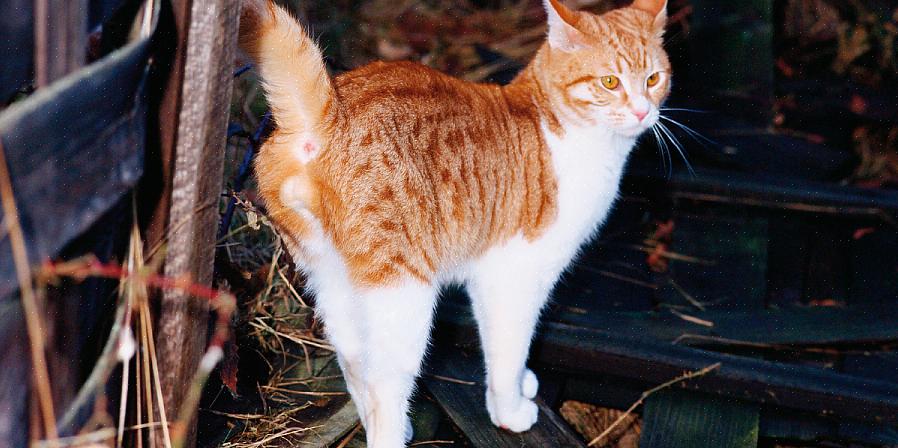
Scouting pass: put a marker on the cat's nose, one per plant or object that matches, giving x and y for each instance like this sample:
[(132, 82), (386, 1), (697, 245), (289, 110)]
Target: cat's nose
[(640, 114)]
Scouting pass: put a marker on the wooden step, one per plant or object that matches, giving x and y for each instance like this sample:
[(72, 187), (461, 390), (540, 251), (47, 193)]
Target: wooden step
[(680, 419), (455, 379), (588, 351)]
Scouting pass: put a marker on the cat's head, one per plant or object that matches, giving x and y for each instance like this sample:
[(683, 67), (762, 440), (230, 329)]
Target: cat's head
[(609, 69)]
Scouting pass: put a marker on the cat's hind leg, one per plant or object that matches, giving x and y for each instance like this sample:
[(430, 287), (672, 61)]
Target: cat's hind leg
[(398, 321), (343, 332), (336, 303), (508, 291)]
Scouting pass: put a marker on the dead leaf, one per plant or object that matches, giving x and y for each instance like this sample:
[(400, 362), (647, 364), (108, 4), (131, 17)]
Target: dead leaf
[(229, 365), (590, 421)]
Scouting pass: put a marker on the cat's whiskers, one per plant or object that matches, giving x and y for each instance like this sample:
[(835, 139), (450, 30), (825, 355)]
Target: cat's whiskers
[(692, 132), (666, 132), (680, 109), (664, 151)]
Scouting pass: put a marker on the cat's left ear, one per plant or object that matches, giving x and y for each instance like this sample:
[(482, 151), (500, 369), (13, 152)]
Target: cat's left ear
[(657, 8), (563, 33)]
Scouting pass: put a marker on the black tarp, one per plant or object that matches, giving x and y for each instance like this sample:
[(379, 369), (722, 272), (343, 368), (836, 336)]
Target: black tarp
[(75, 149), (17, 40), (16, 44)]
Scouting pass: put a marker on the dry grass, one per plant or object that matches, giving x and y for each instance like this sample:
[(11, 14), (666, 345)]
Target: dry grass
[(470, 39), (304, 383)]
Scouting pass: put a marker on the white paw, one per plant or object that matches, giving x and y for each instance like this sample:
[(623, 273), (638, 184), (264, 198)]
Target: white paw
[(529, 384), (516, 414)]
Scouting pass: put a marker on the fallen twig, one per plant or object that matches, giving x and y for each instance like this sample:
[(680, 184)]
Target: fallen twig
[(646, 394), (692, 319), (29, 301), (223, 303), (350, 436), (689, 298), (452, 380)]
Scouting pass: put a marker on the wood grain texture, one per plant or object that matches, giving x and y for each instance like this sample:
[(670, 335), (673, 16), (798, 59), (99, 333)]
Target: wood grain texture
[(771, 192), (466, 408), (677, 419), (632, 355), (331, 427), (60, 38), (197, 165)]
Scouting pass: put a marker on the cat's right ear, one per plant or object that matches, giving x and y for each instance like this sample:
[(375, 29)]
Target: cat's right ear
[(657, 8), (563, 34)]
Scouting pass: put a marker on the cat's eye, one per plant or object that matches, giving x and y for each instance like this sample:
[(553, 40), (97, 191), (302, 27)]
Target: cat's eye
[(654, 79), (610, 82)]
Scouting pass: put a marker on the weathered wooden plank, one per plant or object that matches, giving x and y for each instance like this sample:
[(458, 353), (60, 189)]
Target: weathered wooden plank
[(873, 265), (790, 426), (786, 257), (798, 387), (826, 275), (207, 47), (464, 403), (793, 326), (735, 249), (677, 419), (60, 38), (772, 192), (629, 355), (330, 428)]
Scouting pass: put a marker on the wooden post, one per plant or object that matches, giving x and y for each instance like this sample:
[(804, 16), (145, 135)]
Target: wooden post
[(193, 120), (60, 38)]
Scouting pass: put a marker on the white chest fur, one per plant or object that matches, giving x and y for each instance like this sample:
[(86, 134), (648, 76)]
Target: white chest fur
[(588, 164)]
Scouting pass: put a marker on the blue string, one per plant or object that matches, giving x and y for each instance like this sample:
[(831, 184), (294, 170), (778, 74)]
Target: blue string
[(243, 172), (243, 70)]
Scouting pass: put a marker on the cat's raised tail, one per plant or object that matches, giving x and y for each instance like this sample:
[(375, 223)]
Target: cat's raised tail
[(298, 87)]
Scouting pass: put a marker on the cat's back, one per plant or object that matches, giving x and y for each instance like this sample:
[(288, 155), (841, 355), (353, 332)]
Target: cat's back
[(426, 171), (387, 88)]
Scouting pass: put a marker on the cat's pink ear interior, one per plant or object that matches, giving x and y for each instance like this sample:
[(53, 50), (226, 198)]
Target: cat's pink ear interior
[(657, 8), (563, 33)]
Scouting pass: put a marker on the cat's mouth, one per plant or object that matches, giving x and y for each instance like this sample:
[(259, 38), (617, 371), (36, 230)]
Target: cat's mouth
[(635, 130)]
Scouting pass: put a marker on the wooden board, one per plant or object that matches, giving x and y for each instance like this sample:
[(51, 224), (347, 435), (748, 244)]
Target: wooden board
[(771, 192), (793, 326), (735, 249), (464, 403), (60, 38), (873, 264), (678, 419), (332, 427), (194, 114), (629, 355)]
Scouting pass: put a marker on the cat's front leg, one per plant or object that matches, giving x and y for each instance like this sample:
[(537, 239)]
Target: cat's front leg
[(507, 296)]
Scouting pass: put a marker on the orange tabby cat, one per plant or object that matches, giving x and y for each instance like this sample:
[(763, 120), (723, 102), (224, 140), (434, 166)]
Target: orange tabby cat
[(393, 179)]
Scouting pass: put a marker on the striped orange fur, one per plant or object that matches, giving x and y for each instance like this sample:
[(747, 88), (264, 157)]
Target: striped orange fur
[(411, 172), (392, 179)]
